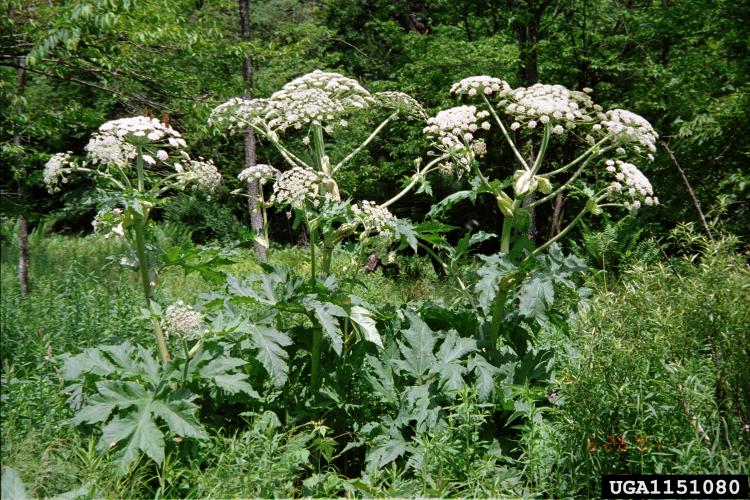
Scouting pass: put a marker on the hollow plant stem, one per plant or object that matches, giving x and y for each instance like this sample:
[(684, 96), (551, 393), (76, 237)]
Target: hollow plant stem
[(313, 238), (507, 228), (542, 149), (320, 149), (143, 263), (187, 360), (327, 254)]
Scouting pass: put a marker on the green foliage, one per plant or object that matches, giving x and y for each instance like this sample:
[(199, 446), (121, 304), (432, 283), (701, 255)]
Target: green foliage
[(208, 221), (652, 384), (134, 390), (416, 381)]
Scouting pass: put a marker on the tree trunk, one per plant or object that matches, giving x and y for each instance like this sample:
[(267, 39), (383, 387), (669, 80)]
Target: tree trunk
[(253, 186), (557, 216), (23, 225)]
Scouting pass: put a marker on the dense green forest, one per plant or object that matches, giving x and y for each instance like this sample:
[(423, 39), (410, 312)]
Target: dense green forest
[(372, 248)]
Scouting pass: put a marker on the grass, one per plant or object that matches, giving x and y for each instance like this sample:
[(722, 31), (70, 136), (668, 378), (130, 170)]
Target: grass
[(663, 354)]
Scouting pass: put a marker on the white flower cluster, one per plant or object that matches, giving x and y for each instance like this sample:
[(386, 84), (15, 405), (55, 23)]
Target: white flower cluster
[(203, 173), (375, 219), (115, 142), (480, 85), (403, 103), (55, 170), (262, 172), (109, 222), (631, 183), (543, 104), (107, 149), (184, 321), (453, 130), (630, 129), (237, 113), (315, 98), (296, 186)]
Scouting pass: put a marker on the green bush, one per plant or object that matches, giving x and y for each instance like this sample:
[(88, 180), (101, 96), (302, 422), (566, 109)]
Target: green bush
[(658, 382), (207, 220)]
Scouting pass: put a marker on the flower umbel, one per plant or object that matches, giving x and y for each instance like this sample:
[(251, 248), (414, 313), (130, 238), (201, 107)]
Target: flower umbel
[(55, 170), (184, 321), (317, 98), (299, 185), (631, 184), (542, 104), (480, 85), (262, 172), (630, 129)]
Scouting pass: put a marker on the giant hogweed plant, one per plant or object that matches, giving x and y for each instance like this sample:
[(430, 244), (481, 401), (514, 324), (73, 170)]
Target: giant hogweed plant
[(299, 121), (137, 163), (519, 279), (512, 300)]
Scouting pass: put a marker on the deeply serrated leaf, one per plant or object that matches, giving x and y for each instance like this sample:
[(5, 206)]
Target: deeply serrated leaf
[(536, 295), (122, 355), (235, 383), (98, 409), (492, 271), (180, 417), (270, 344), (221, 365), (139, 432), (451, 200), (363, 321), (485, 376), (327, 315), (448, 367), (381, 379), (417, 351), (91, 360), (417, 406), (385, 450)]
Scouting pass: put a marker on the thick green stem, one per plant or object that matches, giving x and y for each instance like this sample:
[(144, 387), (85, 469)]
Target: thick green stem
[(313, 238), (507, 227), (327, 254), (143, 267), (542, 149), (143, 263), (320, 149), (139, 165), (317, 344), (187, 360)]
